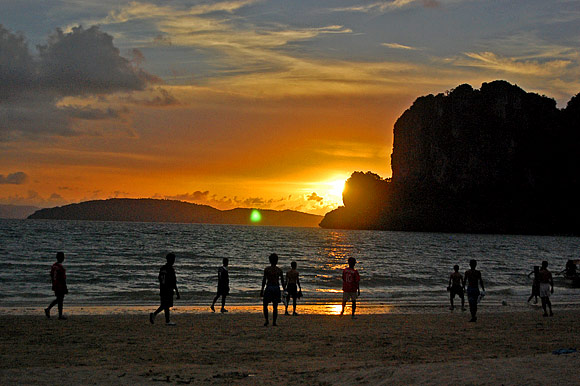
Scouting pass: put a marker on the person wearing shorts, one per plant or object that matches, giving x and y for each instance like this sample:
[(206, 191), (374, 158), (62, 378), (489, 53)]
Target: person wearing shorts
[(473, 280), (546, 288), (292, 287), (167, 284), (223, 289), (455, 287), (273, 276), (350, 286)]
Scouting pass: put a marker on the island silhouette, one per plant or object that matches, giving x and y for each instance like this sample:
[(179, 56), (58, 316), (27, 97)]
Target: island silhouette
[(494, 160), (154, 210)]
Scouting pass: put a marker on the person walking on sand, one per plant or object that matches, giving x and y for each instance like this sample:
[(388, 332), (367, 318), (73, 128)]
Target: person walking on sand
[(474, 280), (455, 287), (350, 285), (167, 284), (292, 286), (546, 287), (223, 289), (58, 278), (535, 284), (273, 276)]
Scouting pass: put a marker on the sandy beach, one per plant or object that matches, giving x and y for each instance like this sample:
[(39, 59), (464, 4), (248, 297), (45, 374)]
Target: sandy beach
[(235, 348)]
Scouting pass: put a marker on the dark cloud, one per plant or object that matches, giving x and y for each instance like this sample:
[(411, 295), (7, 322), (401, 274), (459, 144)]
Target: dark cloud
[(86, 62), (17, 69), (83, 63), (17, 178), (314, 197), (88, 113)]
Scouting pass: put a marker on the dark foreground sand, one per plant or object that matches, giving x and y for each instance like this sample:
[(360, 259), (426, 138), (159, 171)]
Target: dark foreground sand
[(512, 348)]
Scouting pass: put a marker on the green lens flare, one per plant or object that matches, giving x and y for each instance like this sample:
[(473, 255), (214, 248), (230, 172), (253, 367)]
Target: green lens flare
[(256, 216)]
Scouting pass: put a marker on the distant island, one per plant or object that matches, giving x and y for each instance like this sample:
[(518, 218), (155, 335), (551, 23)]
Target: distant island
[(16, 211), (152, 210), (493, 160)]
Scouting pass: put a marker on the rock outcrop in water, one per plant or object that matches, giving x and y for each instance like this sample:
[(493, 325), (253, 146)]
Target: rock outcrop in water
[(151, 210), (494, 160)]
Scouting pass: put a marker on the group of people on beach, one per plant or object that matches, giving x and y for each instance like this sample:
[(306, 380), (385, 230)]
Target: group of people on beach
[(543, 287), (270, 291)]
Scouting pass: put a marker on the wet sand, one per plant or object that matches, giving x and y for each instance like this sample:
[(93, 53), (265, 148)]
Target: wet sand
[(235, 348)]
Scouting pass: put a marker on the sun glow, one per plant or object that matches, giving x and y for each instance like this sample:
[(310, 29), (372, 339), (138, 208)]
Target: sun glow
[(336, 187)]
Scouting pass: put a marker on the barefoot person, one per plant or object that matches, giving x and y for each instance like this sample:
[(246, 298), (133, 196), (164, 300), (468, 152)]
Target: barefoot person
[(473, 280), (546, 287), (535, 284), (350, 285), (223, 289), (273, 276), (58, 278), (167, 284), (292, 286), (455, 287)]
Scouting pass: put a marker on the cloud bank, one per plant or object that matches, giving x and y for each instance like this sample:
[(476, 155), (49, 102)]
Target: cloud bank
[(81, 63), (17, 178)]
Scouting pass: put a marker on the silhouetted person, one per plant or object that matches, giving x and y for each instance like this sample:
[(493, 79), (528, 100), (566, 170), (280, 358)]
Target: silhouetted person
[(292, 286), (455, 287), (167, 284), (350, 285), (535, 284), (273, 276), (58, 278), (571, 270), (546, 287), (223, 289), (473, 280)]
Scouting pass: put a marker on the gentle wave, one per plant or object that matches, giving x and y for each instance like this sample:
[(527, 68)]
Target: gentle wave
[(118, 262)]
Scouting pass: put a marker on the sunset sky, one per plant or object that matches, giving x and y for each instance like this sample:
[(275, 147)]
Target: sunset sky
[(246, 103)]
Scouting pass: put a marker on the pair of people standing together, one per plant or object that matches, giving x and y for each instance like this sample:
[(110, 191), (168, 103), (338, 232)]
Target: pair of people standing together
[(543, 286), (270, 291), (473, 280)]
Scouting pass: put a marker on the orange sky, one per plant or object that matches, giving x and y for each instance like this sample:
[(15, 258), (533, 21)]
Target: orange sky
[(246, 103)]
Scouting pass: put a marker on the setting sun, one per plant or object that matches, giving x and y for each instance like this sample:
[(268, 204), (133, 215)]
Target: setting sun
[(336, 187)]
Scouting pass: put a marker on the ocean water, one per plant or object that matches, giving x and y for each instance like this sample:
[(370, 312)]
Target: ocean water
[(116, 263)]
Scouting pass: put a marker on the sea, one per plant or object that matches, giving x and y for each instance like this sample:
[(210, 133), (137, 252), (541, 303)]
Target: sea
[(117, 263)]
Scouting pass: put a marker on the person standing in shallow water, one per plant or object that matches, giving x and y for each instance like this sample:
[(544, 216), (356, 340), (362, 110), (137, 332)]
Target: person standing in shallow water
[(546, 287), (223, 285), (273, 276), (292, 286), (58, 278), (167, 284), (474, 280), (350, 285), (455, 287)]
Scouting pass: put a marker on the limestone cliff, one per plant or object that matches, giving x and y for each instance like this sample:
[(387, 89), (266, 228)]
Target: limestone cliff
[(497, 159)]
